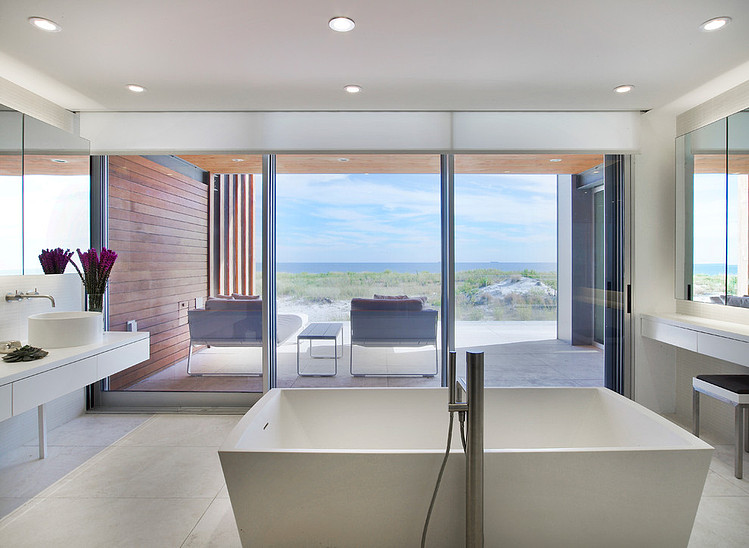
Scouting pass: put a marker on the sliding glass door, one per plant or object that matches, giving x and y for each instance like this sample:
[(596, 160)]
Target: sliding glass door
[(358, 260), (349, 262)]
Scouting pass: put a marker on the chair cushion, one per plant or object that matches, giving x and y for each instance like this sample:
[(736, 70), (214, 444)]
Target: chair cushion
[(240, 297), (739, 384), (413, 305), (212, 303)]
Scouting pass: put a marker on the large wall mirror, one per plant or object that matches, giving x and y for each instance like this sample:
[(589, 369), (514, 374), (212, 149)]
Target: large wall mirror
[(11, 187), (712, 215), (45, 191)]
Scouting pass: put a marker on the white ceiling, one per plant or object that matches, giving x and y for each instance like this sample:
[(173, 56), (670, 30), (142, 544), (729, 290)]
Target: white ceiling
[(406, 54)]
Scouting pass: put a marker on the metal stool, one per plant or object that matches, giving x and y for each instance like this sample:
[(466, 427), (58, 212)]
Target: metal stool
[(733, 389)]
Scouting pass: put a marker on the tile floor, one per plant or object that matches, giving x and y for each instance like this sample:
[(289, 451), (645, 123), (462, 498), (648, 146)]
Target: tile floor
[(155, 480), (516, 354)]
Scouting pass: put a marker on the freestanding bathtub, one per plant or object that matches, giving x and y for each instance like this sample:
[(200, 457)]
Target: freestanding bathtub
[(563, 467)]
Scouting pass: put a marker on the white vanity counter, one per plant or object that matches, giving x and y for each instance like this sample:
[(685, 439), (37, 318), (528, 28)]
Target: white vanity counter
[(25, 385), (719, 339), (57, 357)]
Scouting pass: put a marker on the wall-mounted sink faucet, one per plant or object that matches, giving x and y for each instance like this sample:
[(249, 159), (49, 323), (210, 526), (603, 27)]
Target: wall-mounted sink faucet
[(28, 295)]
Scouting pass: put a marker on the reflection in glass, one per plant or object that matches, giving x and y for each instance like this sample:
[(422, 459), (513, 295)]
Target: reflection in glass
[(738, 209), (702, 215), (56, 192), (11, 188)]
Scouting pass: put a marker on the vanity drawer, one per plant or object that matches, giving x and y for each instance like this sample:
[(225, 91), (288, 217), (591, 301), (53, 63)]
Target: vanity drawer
[(6, 401), (723, 348), (38, 389), (121, 358), (670, 334)]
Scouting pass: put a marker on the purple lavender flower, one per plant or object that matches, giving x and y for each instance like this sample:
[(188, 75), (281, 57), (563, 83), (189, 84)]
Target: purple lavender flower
[(54, 261), (96, 269)]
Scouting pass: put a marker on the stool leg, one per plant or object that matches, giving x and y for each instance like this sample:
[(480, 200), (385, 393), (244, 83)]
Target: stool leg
[(739, 453), (695, 413), (746, 428)]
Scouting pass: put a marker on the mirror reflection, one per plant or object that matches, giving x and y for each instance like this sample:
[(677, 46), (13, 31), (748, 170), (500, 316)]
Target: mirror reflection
[(11, 187), (738, 209), (712, 236), (56, 192), (44, 191)]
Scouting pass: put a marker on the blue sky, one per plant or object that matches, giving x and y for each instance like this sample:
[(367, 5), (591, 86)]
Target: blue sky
[(396, 218), (710, 218)]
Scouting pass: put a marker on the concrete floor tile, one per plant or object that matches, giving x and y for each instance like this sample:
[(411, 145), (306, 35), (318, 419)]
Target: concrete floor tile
[(98, 430), (721, 522), (28, 475), (117, 522), (216, 529), (183, 430), (8, 504), (146, 471)]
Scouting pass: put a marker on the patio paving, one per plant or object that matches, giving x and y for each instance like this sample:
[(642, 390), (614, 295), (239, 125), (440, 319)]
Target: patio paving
[(515, 354)]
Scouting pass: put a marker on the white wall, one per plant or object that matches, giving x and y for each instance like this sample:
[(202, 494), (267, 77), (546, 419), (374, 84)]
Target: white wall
[(196, 132), (663, 373), (22, 100)]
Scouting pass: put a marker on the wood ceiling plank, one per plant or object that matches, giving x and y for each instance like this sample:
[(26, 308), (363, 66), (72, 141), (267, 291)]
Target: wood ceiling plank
[(399, 163)]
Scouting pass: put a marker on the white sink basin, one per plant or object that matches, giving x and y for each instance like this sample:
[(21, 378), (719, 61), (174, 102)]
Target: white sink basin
[(63, 329)]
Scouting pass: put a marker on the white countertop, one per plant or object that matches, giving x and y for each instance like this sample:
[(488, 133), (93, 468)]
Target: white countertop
[(57, 357), (720, 328)]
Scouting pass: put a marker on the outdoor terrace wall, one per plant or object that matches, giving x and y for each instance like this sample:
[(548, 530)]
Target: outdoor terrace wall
[(158, 224)]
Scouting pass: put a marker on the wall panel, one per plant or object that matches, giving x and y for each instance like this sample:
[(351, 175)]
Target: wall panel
[(158, 225)]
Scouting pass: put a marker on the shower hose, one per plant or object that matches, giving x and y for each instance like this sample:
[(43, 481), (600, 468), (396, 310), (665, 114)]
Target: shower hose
[(461, 418)]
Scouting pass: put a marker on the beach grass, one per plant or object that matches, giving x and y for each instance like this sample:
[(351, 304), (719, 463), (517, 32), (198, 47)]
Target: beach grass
[(471, 303)]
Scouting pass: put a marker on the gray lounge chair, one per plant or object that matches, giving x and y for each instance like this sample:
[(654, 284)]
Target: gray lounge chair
[(231, 322), (388, 322)]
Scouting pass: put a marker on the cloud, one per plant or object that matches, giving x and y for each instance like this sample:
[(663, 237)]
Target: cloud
[(396, 218)]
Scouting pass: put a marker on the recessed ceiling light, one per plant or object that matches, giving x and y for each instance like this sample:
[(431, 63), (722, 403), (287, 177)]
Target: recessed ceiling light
[(555, 160), (136, 88), (58, 160), (237, 159), (716, 23), (45, 24), (625, 88), (341, 24), (343, 159), (352, 88)]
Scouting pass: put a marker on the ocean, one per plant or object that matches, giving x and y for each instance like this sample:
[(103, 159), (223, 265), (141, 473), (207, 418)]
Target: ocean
[(713, 269), (316, 268)]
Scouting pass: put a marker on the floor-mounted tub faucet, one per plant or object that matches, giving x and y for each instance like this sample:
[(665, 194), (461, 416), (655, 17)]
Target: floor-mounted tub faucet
[(28, 295), (474, 408)]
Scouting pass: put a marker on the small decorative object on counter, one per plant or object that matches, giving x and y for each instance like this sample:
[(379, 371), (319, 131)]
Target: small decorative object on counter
[(25, 354), (54, 261), (96, 270), (6, 347)]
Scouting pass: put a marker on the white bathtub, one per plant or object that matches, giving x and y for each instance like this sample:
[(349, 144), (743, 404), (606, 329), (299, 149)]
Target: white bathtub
[(563, 467)]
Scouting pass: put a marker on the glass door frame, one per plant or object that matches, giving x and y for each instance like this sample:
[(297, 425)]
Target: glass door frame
[(618, 374), (241, 400)]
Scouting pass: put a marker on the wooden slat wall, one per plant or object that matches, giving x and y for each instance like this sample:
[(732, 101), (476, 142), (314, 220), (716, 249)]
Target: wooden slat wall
[(236, 225), (158, 225)]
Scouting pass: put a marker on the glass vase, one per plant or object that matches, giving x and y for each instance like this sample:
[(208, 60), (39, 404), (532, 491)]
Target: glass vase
[(94, 302)]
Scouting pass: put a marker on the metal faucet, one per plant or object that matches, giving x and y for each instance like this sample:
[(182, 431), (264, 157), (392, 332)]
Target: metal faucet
[(28, 295), (474, 408)]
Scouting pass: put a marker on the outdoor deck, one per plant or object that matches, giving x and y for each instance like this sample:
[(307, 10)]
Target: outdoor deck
[(515, 353)]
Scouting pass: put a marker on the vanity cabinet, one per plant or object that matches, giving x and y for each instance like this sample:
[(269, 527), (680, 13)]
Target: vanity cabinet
[(6, 401), (25, 385), (717, 339)]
